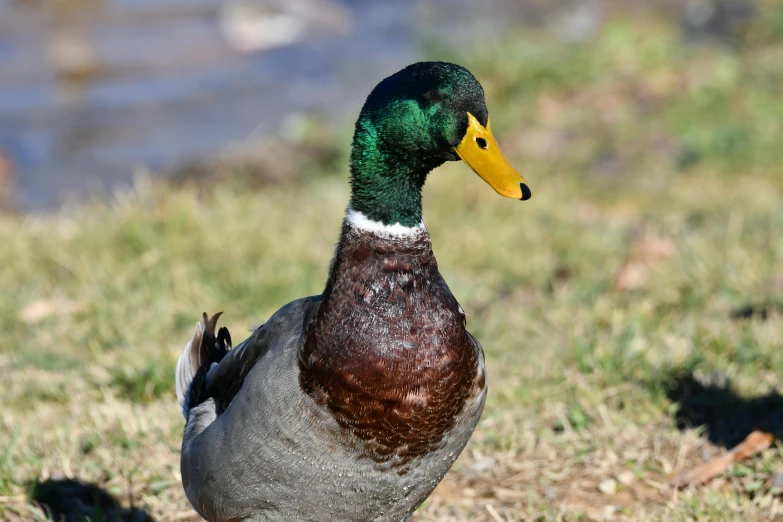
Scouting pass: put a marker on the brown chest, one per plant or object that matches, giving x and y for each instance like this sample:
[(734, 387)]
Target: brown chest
[(387, 352)]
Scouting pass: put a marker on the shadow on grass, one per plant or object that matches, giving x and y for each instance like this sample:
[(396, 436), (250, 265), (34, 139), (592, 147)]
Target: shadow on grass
[(761, 311), (73, 501), (727, 417)]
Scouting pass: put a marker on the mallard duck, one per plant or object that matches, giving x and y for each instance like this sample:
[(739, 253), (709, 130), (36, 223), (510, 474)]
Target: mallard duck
[(352, 405)]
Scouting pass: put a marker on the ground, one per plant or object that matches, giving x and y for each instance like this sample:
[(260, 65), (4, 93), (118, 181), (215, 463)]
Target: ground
[(630, 311)]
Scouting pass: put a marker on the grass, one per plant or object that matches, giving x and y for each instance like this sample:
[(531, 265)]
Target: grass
[(628, 311)]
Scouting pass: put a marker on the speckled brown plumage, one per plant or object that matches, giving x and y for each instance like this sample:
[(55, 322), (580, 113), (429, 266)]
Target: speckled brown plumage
[(387, 352)]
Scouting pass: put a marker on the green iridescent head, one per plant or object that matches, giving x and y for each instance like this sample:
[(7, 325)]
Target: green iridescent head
[(411, 123)]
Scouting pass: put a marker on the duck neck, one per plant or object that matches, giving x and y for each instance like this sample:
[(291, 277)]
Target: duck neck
[(386, 180), (377, 269)]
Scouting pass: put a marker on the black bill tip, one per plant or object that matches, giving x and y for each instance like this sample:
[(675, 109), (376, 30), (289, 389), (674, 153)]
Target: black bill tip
[(526, 193)]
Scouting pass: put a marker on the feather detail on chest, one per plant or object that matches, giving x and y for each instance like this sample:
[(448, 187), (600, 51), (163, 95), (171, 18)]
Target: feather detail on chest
[(387, 352)]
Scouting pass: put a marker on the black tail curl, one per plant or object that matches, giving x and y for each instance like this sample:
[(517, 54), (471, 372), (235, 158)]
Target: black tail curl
[(211, 351)]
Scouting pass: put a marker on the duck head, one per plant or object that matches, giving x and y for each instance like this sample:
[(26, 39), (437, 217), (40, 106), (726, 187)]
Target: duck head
[(414, 121)]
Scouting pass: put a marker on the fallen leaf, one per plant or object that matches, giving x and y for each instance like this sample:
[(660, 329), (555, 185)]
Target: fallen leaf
[(754, 443), (41, 309), (704, 472), (653, 248), (633, 275), (644, 252)]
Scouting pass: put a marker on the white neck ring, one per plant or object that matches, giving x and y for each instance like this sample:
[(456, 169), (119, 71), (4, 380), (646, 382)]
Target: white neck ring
[(359, 221)]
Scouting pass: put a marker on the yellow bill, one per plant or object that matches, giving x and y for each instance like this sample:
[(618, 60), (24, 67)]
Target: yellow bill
[(480, 150)]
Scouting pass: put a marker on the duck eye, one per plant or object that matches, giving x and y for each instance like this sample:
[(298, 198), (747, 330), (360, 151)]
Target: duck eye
[(482, 143), (434, 96)]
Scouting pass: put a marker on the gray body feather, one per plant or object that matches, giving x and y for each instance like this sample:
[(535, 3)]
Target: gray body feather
[(275, 455)]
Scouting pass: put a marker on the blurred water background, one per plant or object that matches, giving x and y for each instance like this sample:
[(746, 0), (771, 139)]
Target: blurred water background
[(91, 91)]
